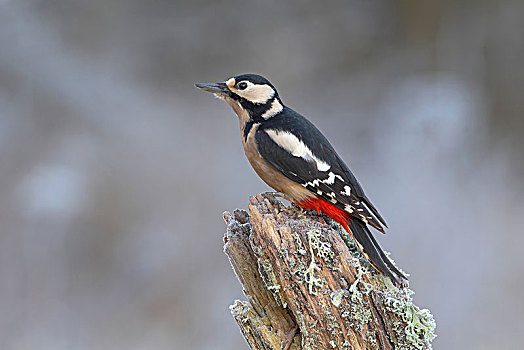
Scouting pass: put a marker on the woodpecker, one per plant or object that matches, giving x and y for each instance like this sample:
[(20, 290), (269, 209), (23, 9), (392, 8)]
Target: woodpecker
[(293, 157)]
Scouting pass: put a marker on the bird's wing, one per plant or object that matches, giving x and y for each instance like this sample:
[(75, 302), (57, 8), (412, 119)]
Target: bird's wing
[(300, 152)]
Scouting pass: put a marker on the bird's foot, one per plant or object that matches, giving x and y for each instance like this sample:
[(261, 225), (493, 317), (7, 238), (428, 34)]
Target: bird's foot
[(275, 195), (273, 198)]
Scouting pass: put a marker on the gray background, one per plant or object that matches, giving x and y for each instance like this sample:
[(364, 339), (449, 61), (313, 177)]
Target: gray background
[(115, 170)]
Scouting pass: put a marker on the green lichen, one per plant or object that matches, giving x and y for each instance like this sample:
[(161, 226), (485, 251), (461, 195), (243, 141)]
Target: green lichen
[(300, 272), (417, 326), (292, 262), (240, 311), (413, 327), (300, 245), (310, 335), (270, 280), (356, 309), (332, 322), (358, 260), (417, 329), (309, 276), (256, 249), (324, 251), (371, 337), (337, 295), (359, 314), (255, 325)]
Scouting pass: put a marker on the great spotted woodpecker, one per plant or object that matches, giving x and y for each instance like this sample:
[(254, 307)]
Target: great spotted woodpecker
[(292, 156)]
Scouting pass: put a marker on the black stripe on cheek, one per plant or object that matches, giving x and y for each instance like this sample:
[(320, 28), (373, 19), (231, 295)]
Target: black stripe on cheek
[(256, 110), (249, 126), (250, 123)]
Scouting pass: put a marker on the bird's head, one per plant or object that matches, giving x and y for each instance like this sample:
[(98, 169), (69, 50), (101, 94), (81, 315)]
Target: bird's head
[(250, 92)]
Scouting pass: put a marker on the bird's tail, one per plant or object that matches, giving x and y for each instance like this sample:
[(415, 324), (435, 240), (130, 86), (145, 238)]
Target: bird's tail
[(371, 249), (365, 240)]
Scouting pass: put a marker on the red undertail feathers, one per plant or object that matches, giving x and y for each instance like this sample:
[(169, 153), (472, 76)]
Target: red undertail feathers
[(360, 232), (321, 206)]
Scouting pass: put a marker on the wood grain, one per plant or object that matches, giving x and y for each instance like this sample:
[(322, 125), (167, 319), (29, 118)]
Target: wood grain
[(297, 270)]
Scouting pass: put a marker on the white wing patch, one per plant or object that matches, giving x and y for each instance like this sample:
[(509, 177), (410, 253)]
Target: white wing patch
[(276, 108), (348, 208), (347, 191), (293, 145), (329, 181), (331, 178)]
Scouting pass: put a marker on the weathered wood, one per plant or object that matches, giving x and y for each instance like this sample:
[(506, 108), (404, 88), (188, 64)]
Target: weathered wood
[(298, 270)]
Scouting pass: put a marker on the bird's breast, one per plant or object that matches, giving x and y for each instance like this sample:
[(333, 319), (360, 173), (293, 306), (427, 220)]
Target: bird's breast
[(267, 173)]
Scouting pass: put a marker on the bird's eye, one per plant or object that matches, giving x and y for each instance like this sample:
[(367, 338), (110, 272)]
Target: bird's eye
[(242, 85)]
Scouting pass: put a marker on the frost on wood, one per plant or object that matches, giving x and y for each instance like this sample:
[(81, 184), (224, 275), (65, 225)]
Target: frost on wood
[(302, 273)]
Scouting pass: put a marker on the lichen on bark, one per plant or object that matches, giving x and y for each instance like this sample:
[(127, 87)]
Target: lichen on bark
[(302, 271)]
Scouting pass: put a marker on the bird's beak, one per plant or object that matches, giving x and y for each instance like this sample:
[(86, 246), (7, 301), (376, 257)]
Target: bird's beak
[(216, 88)]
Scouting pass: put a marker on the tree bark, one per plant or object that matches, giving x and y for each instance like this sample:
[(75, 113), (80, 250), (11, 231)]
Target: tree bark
[(308, 286)]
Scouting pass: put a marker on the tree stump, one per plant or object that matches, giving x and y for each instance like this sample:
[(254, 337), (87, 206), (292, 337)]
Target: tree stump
[(308, 286)]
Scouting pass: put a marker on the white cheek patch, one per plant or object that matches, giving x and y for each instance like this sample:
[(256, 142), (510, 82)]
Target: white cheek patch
[(293, 145), (257, 94)]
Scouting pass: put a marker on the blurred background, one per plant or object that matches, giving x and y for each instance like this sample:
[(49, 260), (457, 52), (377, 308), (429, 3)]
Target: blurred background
[(115, 170)]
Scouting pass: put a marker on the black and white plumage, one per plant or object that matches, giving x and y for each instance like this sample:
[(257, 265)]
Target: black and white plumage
[(291, 155), (293, 145)]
